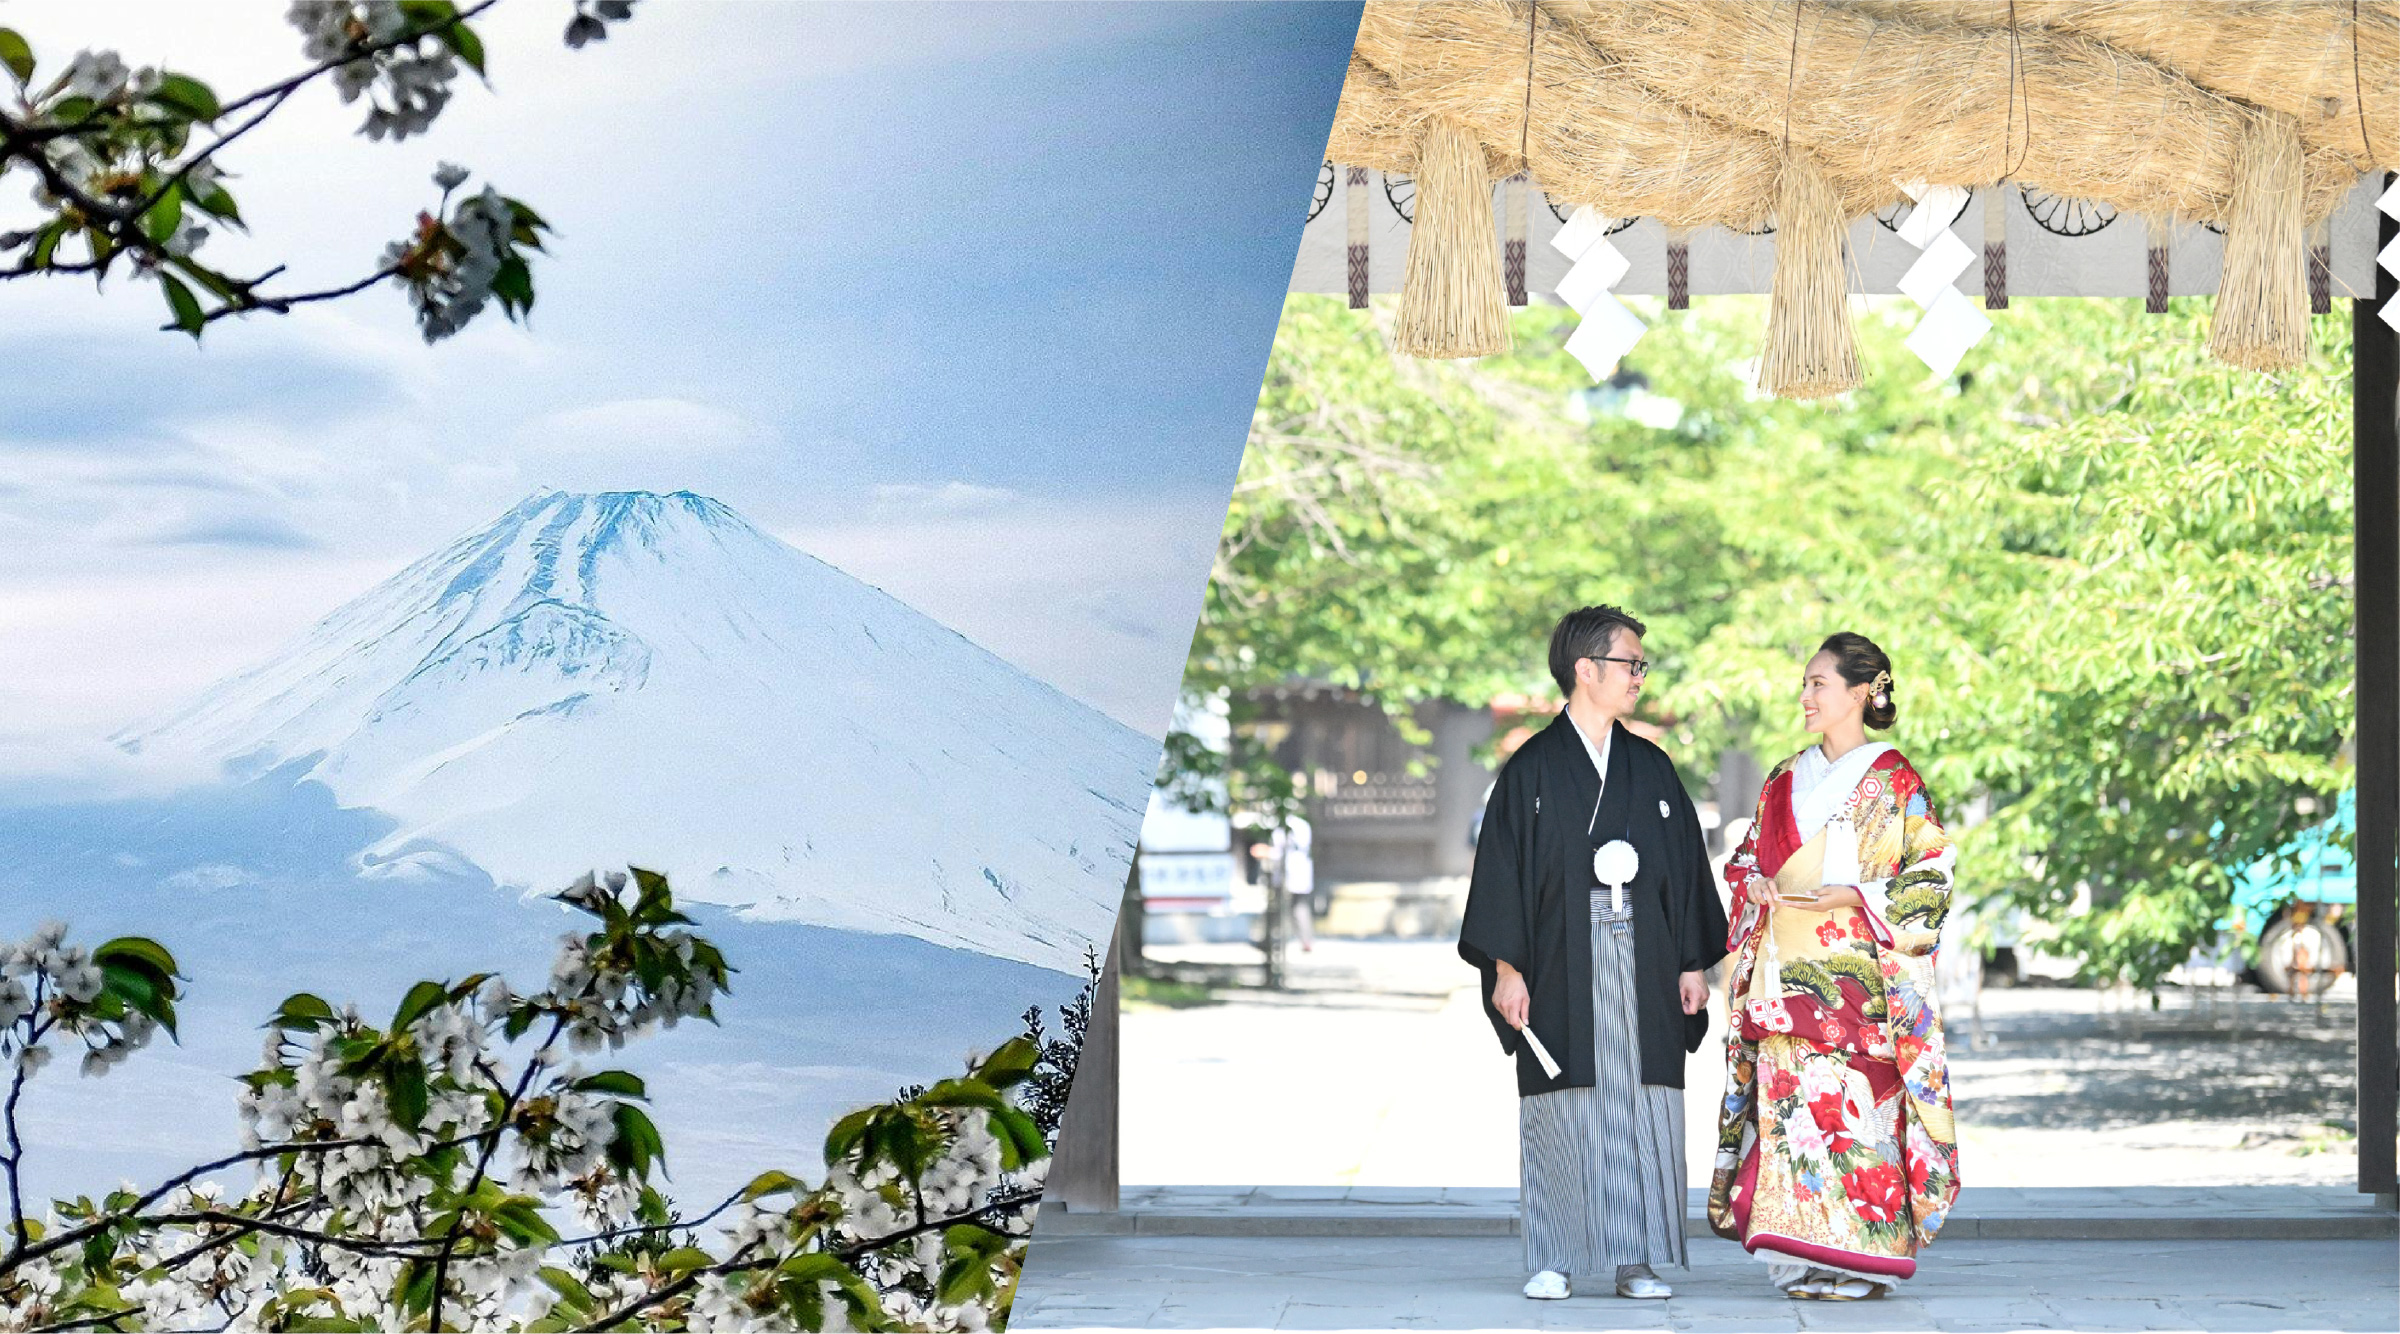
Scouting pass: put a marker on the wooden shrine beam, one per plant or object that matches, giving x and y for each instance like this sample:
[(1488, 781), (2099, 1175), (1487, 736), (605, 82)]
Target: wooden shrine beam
[(2375, 416)]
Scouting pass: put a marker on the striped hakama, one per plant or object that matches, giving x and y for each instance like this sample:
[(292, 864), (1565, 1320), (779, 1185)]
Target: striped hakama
[(1601, 1168)]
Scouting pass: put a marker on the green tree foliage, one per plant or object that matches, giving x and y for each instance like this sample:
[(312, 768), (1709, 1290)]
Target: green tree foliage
[(2114, 576)]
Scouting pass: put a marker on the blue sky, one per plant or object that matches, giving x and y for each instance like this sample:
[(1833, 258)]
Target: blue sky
[(971, 301)]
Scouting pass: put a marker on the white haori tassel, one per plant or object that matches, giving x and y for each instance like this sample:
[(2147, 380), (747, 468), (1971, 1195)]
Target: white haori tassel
[(1616, 862)]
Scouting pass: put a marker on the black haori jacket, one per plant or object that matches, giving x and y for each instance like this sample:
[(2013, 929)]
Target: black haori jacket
[(1529, 901)]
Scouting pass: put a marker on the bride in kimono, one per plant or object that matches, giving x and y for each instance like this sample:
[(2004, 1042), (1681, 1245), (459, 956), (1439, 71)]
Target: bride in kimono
[(1836, 1157)]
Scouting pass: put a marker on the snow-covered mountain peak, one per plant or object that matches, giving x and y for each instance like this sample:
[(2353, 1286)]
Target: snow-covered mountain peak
[(601, 678)]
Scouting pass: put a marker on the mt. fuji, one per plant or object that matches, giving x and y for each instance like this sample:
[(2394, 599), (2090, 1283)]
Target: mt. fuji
[(633, 678)]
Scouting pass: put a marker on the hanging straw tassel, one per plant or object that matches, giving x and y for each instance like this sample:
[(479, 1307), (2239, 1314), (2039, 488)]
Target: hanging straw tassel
[(1452, 303), (2262, 298), (1811, 351)]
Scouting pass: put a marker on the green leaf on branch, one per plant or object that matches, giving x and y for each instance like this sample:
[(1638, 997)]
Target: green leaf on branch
[(772, 1183), (519, 1218), (16, 55), (843, 1139), (216, 202), (405, 1090), (513, 284), (570, 1290), (528, 223), (183, 305), (967, 1266), (137, 951), (1010, 1064), (1021, 1139), (962, 1093), (45, 244), (684, 1259), (159, 223), (303, 1011), (187, 95), (463, 43), (618, 1082), (419, 1002), (637, 1147)]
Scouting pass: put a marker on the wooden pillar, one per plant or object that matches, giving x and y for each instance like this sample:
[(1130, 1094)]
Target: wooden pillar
[(2375, 415), (1083, 1167)]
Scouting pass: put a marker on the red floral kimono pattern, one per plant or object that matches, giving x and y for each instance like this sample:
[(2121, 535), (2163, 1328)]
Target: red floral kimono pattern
[(1835, 1140)]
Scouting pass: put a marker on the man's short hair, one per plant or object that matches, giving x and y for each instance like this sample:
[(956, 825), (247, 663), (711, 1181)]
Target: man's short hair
[(1586, 632)]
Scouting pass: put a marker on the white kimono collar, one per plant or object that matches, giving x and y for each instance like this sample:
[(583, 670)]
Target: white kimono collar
[(1821, 788), (1599, 753), (1599, 757)]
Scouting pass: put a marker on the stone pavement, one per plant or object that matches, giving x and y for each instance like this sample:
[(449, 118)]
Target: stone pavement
[(2053, 1213), (1454, 1283)]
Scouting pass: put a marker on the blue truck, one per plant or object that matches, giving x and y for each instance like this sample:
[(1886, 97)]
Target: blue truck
[(2296, 903)]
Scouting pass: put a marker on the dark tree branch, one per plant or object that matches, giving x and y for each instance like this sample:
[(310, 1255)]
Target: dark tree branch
[(34, 1029), (653, 1229), (245, 302), (25, 1252), (483, 1161)]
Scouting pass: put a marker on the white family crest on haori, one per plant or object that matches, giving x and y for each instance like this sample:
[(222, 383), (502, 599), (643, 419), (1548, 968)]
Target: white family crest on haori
[(646, 679)]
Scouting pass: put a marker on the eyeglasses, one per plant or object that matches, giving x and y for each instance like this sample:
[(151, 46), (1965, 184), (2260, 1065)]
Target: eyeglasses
[(1639, 666)]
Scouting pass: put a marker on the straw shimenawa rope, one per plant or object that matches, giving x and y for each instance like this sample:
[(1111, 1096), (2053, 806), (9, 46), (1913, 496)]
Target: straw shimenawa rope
[(1811, 350), (2291, 56), (1453, 303), (1889, 101), (1600, 139), (1604, 140), (2287, 56), (2261, 318), (2243, 113), (1374, 128)]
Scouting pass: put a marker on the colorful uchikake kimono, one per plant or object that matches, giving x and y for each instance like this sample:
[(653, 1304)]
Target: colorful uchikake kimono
[(1835, 1147)]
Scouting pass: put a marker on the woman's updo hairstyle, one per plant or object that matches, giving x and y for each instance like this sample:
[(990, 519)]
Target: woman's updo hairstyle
[(1861, 663)]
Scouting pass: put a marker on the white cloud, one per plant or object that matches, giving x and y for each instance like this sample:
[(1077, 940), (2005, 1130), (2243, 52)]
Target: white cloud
[(914, 500)]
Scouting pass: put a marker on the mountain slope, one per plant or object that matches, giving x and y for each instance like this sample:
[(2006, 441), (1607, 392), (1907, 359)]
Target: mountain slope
[(628, 677)]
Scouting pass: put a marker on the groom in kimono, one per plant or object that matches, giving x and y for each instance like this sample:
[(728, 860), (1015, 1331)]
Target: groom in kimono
[(1605, 977)]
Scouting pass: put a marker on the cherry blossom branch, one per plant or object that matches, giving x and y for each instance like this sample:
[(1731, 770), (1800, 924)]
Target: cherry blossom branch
[(245, 301), (244, 1224), (483, 1161), (25, 1252), (34, 1029), (275, 94), (997, 1204), (653, 1229), (736, 1264)]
